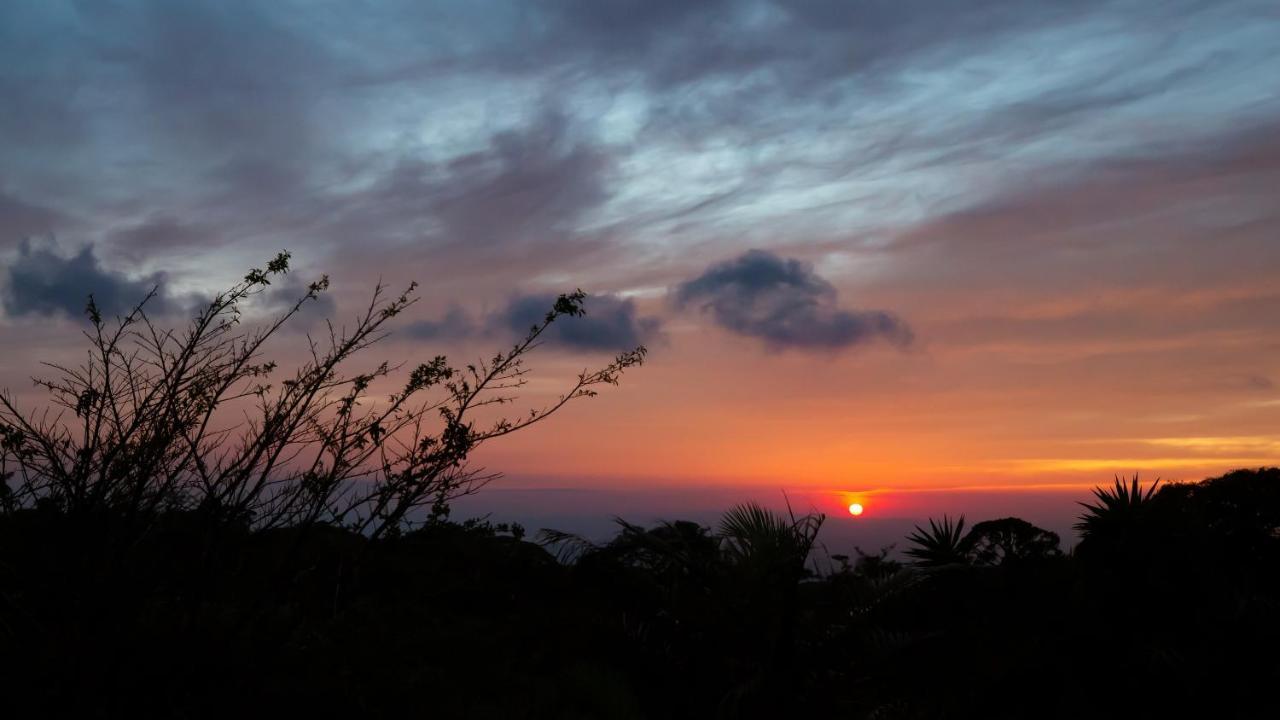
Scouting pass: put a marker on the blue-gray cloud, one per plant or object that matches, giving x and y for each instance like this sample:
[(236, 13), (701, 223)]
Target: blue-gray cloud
[(786, 304), (610, 324), (801, 42), (43, 282), (454, 325), (420, 130)]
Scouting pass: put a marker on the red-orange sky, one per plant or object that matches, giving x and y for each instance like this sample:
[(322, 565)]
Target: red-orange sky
[(884, 248)]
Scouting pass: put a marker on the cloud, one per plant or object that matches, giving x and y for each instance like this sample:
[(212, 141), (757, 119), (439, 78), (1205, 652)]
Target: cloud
[(455, 325), (1196, 218), (675, 42), (283, 293), (193, 133), (610, 324), (20, 220), (235, 76), (527, 185), (521, 203), (42, 282), (162, 235), (786, 304)]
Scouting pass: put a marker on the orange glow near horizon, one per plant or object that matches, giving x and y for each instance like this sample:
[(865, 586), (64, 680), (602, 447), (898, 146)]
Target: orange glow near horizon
[(903, 424)]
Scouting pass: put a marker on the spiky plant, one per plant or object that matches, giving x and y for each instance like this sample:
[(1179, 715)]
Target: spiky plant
[(1117, 509), (943, 543), (757, 536)]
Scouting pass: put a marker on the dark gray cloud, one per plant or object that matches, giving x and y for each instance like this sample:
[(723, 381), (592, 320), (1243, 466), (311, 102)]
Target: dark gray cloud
[(611, 323), (43, 282), (786, 304), (454, 325)]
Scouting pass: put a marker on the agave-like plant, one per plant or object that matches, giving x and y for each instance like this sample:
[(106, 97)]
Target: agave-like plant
[(1117, 508), (943, 543)]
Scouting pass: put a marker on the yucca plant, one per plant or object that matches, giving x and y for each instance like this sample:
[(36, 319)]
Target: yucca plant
[(943, 543), (1117, 510)]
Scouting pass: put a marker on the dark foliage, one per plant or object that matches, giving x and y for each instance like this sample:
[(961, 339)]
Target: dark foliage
[(944, 543), (1009, 541), (675, 620)]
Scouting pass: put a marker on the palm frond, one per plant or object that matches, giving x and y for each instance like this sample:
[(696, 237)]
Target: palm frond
[(567, 547), (752, 532)]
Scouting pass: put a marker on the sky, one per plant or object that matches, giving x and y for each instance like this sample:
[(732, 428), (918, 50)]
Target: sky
[(883, 250)]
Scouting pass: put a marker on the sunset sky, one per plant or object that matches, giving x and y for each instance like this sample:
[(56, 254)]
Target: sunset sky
[(871, 246)]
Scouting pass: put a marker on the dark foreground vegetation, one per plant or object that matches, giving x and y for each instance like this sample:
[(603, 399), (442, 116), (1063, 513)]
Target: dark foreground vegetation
[(301, 563), (1167, 608)]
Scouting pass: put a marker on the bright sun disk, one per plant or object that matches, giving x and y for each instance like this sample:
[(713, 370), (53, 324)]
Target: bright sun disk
[(855, 509)]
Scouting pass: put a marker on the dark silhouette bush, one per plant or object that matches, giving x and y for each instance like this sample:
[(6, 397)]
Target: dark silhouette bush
[(675, 620)]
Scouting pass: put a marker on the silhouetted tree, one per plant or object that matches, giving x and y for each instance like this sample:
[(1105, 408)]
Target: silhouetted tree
[(1010, 540), (876, 565)]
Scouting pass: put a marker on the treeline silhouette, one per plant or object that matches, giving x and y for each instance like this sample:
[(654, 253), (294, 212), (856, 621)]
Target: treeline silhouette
[(1165, 608), (158, 561)]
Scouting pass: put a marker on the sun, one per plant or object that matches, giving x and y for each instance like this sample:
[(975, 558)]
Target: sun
[(855, 509)]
